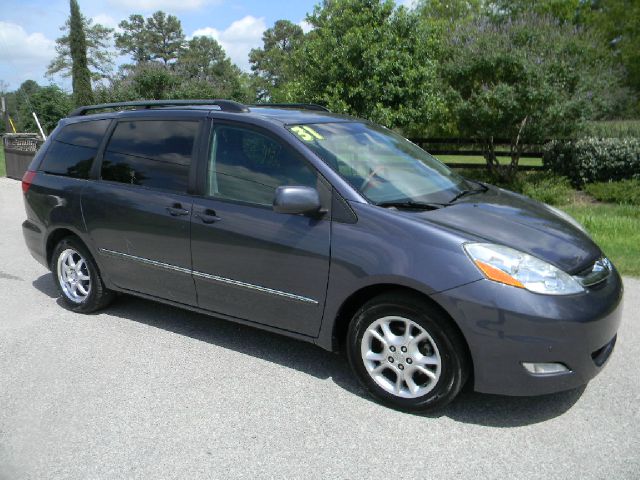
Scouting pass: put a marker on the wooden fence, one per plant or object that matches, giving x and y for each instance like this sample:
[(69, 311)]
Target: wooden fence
[(471, 148)]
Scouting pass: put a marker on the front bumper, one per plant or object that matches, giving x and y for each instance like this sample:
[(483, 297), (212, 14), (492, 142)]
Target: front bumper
[(505, 326)]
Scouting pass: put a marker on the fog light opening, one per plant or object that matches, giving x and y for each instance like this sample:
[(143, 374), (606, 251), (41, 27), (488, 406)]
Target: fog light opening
[(551, 368)]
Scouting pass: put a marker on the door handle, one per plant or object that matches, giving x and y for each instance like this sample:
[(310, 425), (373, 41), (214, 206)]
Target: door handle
[(176, 210), (208, 216)]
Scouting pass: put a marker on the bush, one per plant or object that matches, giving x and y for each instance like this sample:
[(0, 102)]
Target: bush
[(626, 192), (542, 186), (594, 159), (547, 187)]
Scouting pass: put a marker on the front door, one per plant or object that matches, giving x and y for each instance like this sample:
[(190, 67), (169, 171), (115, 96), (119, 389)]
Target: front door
[(248, 261), (138, 214)]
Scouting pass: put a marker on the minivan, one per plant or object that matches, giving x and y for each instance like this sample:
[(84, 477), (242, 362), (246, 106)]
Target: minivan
[(328, 229)]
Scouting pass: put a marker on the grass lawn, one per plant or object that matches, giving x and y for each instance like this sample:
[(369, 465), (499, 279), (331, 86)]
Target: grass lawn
[(615, 228), (453, 159), (3, 170)]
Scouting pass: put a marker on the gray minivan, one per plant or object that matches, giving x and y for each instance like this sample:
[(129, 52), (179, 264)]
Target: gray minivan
[(325, 228)]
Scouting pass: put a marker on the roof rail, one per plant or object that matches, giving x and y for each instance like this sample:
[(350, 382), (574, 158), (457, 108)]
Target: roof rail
[(301, 106), (225, 105)]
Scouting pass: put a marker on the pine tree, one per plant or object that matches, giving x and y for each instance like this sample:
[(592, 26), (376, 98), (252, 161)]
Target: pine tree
[(80, 74)]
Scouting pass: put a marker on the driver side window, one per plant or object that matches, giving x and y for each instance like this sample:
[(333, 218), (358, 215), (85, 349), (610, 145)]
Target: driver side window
[(247, 166)]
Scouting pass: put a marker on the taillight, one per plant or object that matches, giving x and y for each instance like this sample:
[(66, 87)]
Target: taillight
[(27, 179)]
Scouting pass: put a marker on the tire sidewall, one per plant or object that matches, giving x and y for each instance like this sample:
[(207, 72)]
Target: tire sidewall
[(452, 373), (89, 302)]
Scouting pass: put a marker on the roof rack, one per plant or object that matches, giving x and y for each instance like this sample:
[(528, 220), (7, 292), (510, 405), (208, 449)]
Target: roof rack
[(301, 106), (225, 105)]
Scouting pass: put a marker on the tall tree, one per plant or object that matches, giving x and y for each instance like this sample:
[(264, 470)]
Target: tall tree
[(271, 64), (526, 80), (99, 54), (618, 23), (158, 37), (371, 59), (205, 61), (164, 33), (80, 73), (133, 39)]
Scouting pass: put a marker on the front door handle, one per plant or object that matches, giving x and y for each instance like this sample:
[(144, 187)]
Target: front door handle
[(208, 216), (176, 210)]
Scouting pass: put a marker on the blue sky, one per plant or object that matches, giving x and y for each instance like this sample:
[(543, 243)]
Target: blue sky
[(28, 28)]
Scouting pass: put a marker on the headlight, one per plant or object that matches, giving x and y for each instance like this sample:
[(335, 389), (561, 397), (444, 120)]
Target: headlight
[(512, 267), (568, 218)]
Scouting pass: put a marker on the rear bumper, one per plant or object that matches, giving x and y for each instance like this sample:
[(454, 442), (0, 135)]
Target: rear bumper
[(506, 326), (34, 239)]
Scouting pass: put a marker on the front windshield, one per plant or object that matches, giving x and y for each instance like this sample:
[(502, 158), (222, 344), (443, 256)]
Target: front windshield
[(382, 166)]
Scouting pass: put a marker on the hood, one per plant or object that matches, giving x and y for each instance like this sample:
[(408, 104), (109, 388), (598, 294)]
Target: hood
[(506, 218)]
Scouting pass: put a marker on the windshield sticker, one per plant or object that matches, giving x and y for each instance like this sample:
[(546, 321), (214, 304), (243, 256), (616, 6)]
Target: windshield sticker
[(306, 133)]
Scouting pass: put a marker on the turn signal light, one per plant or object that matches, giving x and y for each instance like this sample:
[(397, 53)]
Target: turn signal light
[(498, 275)]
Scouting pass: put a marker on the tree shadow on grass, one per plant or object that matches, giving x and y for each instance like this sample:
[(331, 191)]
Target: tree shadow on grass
[(469, 407)]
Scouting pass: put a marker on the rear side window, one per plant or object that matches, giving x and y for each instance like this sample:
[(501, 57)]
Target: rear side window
[(73, 149), (151, 153)]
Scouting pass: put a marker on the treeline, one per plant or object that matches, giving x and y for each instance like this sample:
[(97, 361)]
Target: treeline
[(517, 69)]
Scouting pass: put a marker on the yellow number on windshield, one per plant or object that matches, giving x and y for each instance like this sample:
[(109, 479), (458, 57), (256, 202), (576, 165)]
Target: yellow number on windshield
[(306, 133)]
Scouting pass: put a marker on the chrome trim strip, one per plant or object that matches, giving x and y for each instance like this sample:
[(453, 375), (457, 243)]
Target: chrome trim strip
[(215, 278), (146, 261)]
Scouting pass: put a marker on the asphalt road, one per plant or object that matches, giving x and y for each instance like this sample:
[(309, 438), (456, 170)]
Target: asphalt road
[(143, 390)]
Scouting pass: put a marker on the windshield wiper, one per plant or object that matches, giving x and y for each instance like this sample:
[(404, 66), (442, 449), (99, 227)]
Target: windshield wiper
[(466, 192), (412, 205)]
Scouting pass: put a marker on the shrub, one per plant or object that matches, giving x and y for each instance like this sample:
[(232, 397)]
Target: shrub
[(625, 192), (594, 159), (547, 187), (542, 186)]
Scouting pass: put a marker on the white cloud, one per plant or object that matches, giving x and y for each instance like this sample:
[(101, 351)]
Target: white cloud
[(238, 39), (306, 26), (23, 55), (170, 5), (106, 20), (410, 4)]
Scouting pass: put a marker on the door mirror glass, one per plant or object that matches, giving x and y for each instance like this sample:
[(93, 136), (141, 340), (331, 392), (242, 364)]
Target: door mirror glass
[(296, 200)]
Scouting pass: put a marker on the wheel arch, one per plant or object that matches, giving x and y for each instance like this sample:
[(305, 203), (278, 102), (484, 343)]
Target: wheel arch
[(54, 237), (358, 298)]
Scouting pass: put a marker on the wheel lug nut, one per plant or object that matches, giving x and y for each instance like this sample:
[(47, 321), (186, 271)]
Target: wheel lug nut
[(409, 361), (401, 367), (393, 349), (390, 359), (404, 349)]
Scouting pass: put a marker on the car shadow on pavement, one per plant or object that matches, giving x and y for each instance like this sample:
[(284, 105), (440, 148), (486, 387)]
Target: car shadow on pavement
[(469, 407)]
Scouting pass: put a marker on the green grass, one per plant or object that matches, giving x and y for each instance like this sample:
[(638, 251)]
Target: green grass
[(616, 229), (453, 159), (612, 129), (3, 170)]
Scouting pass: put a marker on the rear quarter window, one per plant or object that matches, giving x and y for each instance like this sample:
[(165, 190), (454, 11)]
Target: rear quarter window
[(74, 148)]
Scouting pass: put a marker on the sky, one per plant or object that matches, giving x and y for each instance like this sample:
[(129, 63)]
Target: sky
[(28, 28)]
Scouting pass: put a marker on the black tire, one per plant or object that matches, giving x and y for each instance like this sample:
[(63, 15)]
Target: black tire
[(454, 362), (99, 296)]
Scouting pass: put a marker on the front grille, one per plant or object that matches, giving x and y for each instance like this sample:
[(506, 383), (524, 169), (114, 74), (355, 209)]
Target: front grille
[(602, 354)]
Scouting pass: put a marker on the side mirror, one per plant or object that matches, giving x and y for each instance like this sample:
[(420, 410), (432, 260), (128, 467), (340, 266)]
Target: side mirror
[(296, 200)]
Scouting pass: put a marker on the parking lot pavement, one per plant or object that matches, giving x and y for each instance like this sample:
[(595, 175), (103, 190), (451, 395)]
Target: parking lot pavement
[(143, 390)]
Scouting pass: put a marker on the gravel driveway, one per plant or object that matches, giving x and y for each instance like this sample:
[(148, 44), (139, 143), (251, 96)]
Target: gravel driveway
[(143, 390)]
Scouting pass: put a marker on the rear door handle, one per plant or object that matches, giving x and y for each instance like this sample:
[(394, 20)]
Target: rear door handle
[(176, 210), (208, 216)]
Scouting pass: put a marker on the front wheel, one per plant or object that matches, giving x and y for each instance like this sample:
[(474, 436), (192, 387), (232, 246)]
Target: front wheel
[(406, 352), (77, 277)]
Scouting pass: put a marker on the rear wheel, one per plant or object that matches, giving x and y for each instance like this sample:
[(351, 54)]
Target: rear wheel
[(77, 277), (406, 352)]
